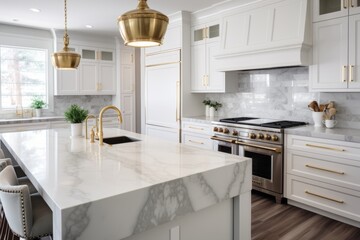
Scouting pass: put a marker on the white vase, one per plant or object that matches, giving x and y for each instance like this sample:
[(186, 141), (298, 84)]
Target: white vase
[(212, 112), (76, 129), (38, 112), (318, 118), (207, 110)]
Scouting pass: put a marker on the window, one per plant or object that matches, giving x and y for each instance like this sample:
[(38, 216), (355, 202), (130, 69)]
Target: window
[(24, 74)]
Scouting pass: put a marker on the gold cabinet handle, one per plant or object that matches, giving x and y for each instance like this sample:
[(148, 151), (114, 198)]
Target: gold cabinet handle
[(324, 169), (344, 74), (207, 32), (197, 128), (324, 197), (196, 142), (345, 4), (204, 80), (177, 100), (324, 147), (222, 139), (352, 3), (351, 73), (204, 33)]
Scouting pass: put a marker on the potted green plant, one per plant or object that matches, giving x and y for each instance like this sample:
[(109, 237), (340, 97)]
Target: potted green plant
[(207, 103), (76, 115), (214, 106), (37, 103)]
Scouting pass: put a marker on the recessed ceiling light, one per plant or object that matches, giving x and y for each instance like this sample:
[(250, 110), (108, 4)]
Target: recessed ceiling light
[(15, 20), (35, 10), (88, 26)]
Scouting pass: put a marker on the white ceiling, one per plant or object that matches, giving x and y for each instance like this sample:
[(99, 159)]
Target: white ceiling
[(101, 14)]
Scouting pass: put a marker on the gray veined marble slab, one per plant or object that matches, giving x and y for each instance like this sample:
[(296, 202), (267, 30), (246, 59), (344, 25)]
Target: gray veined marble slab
[(341, 134), (113, 192)]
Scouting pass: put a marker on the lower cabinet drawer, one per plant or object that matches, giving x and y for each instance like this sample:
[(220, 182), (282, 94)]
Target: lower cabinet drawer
[(197, 140), (328, 169), (337, 200)]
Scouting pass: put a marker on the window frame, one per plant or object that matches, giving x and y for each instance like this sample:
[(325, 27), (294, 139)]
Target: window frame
[(32, 42)]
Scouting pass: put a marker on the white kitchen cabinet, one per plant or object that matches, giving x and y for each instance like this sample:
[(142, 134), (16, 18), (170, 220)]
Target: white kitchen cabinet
[(323, 175), (197, 134), (204, 77), (94, 76), (127, 88), (164, 133), (97, 72), (172, 40), (67, 81), (336, 55), (330, 9)]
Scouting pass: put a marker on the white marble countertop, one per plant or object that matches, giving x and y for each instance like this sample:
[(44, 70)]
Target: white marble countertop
[(202, 119), (342, 134), (74, 172), (31, 120)]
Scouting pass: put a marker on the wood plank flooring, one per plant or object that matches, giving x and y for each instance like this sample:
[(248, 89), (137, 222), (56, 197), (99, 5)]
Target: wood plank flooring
[(271, 221)]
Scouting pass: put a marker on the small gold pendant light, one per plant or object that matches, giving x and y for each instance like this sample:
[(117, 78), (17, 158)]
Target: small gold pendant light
[(143, 27), (66, 60)]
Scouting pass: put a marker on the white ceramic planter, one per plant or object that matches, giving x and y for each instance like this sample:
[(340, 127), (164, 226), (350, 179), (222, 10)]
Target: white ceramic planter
[(212, 112), (76, 129), (38, 112), (207, 110)]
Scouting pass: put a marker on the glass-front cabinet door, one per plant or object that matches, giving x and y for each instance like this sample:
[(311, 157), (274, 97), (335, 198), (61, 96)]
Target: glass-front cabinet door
[(354, 7), (329, 9)]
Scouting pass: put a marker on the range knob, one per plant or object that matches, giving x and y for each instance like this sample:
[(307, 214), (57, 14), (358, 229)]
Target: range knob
[(260, 136), (226, 130), (235, 133), (275, 138), (215, 129), (252, 135), (221, 130), (267, 137)]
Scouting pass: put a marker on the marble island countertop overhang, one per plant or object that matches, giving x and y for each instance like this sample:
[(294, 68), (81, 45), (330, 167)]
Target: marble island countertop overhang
[(77, 177)]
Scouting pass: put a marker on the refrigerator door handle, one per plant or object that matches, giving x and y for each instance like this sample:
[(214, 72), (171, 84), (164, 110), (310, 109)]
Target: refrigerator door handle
[(177, 101)]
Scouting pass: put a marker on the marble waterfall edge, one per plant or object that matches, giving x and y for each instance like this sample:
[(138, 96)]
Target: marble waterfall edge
[(147, 208)]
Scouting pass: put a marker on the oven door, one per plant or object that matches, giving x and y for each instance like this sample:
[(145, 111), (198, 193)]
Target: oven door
[(226, 145), (267, 165)]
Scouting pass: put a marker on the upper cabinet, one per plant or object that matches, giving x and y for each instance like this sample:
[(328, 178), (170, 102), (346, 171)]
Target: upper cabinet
[(205, 44), (172, 40), (96, 74), (329, 9), (336, 53)]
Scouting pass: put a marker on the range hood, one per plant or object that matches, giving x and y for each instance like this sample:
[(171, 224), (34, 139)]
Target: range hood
[(266, 34)]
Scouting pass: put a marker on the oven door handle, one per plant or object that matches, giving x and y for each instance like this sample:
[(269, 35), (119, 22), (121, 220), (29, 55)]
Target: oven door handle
[(277, 150), (223, 139)]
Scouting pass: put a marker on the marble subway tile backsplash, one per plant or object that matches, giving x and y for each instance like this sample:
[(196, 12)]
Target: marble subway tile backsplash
[(91, 103), (283, 93)]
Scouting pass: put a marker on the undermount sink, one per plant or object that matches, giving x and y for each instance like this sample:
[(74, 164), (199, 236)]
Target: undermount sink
[(119, 140)]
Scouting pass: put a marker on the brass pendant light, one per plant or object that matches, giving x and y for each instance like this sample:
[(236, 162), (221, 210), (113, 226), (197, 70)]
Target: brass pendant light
[(65, 59), (143, 27)]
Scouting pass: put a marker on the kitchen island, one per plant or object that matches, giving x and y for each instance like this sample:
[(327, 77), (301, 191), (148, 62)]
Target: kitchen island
[(137, 190)]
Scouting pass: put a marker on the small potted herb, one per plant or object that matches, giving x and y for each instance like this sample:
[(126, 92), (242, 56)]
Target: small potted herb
[(207, 103), (214, 106), (37, 103), (76, 115)]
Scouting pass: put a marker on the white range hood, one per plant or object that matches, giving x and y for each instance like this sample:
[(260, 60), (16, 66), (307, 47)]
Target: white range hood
[(266, 34)]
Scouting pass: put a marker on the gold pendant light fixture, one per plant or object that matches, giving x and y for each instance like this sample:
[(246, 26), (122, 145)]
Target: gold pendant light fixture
[(143, 27), (66, 59)]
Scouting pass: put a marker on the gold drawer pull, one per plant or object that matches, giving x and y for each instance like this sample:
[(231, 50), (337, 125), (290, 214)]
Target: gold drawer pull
[(321, 196), (197, 128), (324, 169), (323, 147), (196, 142)]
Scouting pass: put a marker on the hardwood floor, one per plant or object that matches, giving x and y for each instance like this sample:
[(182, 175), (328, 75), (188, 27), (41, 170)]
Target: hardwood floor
[(271, 221)]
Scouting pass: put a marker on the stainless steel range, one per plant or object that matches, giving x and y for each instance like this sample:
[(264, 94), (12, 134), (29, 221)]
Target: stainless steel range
[(260, 139)]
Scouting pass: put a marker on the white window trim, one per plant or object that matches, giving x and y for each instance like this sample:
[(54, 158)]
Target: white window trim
[(28, 41)]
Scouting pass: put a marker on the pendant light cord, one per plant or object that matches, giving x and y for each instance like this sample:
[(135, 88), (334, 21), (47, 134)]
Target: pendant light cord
[(65, 9), (66, 37)]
